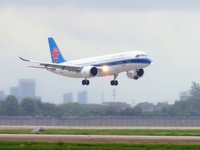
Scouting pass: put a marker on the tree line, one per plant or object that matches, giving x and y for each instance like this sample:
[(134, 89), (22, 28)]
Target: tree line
[(29, 107)]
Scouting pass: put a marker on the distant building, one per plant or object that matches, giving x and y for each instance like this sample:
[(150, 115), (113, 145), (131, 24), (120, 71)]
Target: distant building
[(2, 95), (83, 97), (184, 95), (14, 91), (67, 97), (25, 88)]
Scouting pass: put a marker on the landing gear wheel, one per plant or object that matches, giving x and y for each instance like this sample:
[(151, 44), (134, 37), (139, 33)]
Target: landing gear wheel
[(114, 82), (85, 82), (135, 77)]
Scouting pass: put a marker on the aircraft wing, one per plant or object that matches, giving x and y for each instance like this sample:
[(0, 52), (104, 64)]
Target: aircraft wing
[(45, 65)]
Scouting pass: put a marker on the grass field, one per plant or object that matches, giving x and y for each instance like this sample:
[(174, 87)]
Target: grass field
[(152, 132), (88, 146)]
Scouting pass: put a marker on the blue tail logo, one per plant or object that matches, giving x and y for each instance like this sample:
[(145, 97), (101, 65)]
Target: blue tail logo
[(56, 55)]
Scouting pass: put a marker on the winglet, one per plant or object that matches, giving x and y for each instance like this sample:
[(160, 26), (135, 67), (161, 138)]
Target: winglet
[(55, 53), (24, 59)]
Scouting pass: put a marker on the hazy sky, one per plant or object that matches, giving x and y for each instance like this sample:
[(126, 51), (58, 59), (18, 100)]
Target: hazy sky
[(168, 31)]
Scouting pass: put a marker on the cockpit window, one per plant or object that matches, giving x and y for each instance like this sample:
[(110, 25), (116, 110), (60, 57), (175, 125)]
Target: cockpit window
[(138, 55), (143, 55)]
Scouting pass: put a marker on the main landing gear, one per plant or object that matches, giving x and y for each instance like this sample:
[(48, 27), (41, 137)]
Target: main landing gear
[(85, 82), (114, 82)]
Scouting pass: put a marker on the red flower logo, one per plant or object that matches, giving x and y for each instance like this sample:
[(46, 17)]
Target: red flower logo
[(55, 53)]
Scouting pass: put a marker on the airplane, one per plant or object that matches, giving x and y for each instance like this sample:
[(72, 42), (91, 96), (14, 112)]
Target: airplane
[(131, 62)]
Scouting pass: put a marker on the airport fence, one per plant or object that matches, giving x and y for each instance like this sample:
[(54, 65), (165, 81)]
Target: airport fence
[(181, 122)]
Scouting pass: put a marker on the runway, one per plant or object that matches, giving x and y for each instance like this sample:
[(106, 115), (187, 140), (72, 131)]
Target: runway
[(101, 138)]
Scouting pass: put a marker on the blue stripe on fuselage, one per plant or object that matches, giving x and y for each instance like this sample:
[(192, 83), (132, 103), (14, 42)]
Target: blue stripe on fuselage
[(126, 61)]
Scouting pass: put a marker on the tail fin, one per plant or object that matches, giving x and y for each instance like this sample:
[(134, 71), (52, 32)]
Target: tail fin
[(55, 53)]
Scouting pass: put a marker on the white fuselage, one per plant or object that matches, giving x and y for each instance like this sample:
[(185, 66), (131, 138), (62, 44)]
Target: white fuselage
[(108, 64)]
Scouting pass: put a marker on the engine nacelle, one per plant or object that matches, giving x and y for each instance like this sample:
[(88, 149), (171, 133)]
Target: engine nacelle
[(135, 74), (89, 71)]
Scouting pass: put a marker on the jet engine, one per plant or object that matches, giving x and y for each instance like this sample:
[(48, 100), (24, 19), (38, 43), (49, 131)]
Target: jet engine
[(89, 71), (135, 74)]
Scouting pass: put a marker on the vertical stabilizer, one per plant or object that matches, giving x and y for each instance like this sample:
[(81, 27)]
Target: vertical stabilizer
[(55, 53)]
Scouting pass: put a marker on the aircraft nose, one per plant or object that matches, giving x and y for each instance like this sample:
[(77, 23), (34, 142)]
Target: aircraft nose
[(150, 61)]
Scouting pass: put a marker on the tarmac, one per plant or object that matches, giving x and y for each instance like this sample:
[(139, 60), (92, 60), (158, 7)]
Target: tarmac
[(101, 138)]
